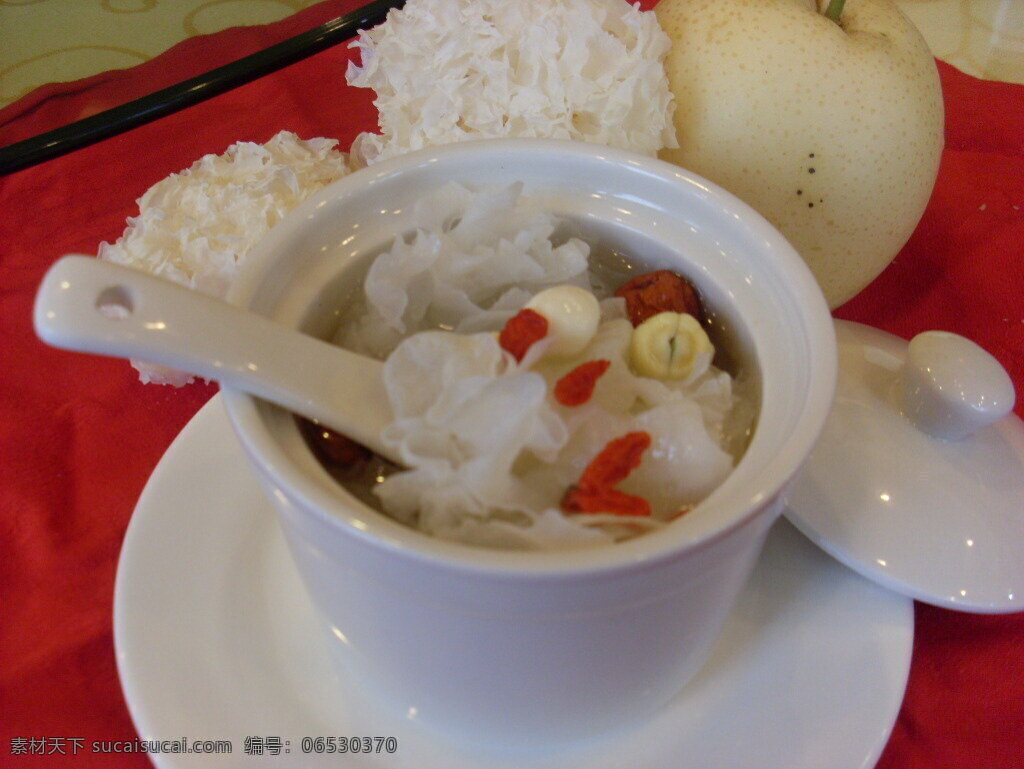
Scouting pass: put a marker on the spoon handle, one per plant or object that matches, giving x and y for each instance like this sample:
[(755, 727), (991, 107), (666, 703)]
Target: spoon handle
[(88, 305)]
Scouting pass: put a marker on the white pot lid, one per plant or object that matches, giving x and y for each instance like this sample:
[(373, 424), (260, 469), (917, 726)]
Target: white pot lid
[(917, 481)]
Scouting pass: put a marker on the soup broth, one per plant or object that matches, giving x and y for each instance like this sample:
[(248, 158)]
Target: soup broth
[(609, 266)]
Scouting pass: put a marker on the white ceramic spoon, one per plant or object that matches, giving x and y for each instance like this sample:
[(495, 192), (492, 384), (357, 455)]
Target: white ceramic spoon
[(89, 305)]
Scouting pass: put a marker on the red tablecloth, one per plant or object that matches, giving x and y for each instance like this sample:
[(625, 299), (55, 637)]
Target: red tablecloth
[(79, 435)]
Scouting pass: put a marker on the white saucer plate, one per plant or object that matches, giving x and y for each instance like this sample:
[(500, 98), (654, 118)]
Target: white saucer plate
[(216, 640)]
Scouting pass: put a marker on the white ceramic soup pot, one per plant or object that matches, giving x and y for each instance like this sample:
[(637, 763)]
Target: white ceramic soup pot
[(518, 646)]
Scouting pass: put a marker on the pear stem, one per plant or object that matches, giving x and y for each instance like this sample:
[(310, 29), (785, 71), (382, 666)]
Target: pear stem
[(835, 10)]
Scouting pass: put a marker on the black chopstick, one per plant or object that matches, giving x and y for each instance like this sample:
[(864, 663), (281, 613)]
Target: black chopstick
[(103, 125)]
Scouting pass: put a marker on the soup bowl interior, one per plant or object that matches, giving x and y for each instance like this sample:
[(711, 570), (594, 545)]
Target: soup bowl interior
[(412, 612)]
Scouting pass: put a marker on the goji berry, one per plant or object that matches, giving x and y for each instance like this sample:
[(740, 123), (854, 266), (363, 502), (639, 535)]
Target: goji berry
[(616, 461), (522, 330), (595, 493), (580, 500), (577, 387)]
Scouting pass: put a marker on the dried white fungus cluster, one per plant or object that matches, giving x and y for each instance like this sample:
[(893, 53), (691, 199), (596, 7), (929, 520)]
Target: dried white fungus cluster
[(449, 70), (196, 227)]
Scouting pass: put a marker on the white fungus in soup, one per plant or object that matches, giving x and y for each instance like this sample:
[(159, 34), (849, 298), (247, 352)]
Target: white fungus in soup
[(517, 426)]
